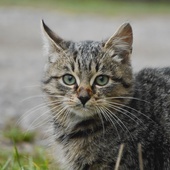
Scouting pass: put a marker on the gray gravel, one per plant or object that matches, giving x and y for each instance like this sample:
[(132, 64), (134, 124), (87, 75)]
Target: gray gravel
[(21, 59)]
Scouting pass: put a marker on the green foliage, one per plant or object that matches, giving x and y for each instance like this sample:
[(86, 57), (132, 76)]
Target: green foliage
[(18, 151), (15, 160), (17, 135), (101, 7)]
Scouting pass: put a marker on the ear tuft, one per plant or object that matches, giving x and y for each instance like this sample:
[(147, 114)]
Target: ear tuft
[(52, 41), (122, 36)]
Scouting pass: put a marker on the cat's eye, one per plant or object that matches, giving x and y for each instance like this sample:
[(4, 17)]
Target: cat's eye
[(68, 79), (101, 80)]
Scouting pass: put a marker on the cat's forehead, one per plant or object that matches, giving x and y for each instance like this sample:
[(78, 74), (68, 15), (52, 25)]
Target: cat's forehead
[(87, 48), (89, 45), (86, 55)]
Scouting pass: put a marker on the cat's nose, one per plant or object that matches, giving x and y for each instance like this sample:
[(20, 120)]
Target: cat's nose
[(84, 95), (84, 99)]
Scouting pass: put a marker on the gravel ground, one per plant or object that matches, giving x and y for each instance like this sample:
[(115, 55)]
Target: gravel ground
[(21, 59)]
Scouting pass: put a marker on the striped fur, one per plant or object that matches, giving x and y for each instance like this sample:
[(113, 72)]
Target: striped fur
[(90, 121)]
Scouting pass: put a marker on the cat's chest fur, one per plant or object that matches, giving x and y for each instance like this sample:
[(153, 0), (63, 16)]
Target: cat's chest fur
[(88, 152)]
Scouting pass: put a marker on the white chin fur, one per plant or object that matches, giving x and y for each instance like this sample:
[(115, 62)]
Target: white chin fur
[(83, 112)]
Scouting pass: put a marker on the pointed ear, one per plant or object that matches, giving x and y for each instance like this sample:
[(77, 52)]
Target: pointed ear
[(120, 44), (123, 35), (53, 43)]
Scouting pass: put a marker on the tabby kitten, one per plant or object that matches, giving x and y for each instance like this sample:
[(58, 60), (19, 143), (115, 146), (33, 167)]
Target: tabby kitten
[(98, 104)]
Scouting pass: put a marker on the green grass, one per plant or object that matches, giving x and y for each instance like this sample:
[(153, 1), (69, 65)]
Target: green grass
[(15, 160), (19, 152), (101, 7), (17, 135)]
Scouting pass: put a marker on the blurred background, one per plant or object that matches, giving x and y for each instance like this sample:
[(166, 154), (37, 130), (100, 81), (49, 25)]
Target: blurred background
[(21, 56)]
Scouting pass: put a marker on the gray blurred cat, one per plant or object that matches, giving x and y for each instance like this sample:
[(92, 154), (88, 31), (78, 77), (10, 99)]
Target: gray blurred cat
[(97, 104)]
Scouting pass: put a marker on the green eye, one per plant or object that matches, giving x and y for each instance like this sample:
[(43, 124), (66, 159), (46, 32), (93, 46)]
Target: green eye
[(102, 80), (68, 79)]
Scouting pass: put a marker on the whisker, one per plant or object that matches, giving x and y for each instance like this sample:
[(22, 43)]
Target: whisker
[(105, 112), (35, 120), (41, 116), (114, 116), (42, 123), (40, 96), (135, 111), (66, 113), (32, 97), (101, 118), (34, 109), (59, 113), (111, 113), (124, 112), (133, 98)]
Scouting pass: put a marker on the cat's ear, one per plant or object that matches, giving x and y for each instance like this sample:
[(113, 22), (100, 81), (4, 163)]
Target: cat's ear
[(121, 42), (53, 43)]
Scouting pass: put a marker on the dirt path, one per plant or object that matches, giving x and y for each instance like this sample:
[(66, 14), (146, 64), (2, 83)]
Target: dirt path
[(21, 60)]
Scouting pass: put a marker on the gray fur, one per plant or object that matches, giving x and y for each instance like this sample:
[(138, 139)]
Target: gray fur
[(88, 137)]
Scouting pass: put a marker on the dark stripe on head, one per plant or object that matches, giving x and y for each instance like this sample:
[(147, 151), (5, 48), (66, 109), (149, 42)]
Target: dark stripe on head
[(66, 68), (90, 65), (75, 56), (97, 67), (79, 64), (72, 66)]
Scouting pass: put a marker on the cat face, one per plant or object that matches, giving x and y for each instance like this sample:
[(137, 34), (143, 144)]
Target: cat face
[(87, 78)]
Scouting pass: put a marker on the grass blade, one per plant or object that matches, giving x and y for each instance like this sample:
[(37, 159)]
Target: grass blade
[(6, 164), (119, 157)]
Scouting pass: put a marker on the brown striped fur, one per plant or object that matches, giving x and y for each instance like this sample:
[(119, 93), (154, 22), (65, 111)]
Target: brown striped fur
[(92, 120)]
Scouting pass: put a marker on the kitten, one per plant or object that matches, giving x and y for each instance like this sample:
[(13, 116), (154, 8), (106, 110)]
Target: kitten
[(98, 104)]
